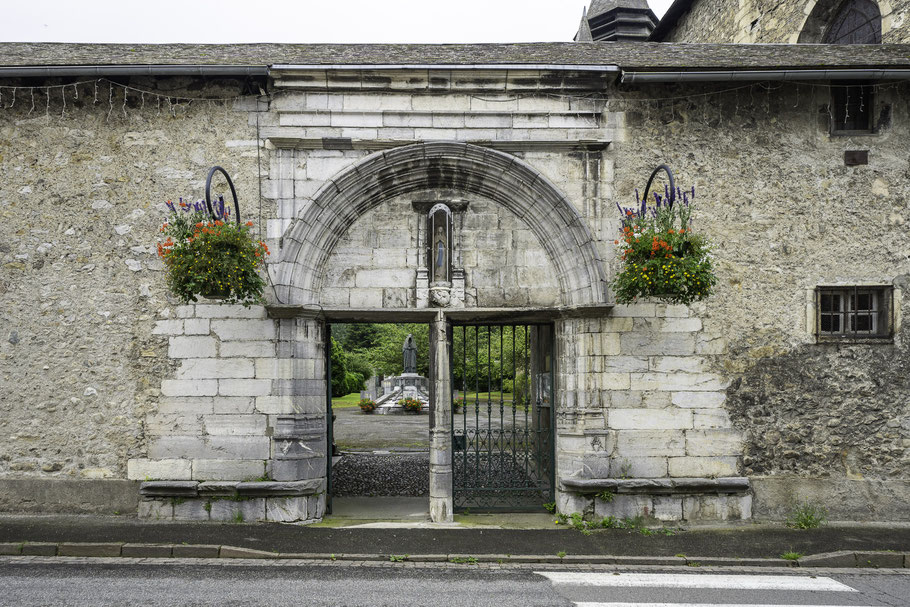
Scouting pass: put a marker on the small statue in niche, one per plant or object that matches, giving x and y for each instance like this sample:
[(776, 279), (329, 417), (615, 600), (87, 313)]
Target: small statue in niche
[(409, 355), (440, 250)]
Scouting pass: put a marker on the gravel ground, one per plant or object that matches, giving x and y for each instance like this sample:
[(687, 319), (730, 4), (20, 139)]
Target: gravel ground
[(385, 475)]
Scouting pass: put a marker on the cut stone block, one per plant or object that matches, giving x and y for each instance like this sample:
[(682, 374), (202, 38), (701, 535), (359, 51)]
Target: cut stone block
[(146, 550), (89, 549)]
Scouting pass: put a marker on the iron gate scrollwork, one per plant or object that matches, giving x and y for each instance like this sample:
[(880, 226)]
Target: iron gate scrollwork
[(503, 455)]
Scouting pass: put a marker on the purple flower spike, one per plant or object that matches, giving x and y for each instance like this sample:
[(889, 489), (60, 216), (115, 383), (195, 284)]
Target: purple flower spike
[(170, 205)]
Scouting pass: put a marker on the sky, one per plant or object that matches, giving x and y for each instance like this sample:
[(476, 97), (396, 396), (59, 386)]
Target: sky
[(300, 21)]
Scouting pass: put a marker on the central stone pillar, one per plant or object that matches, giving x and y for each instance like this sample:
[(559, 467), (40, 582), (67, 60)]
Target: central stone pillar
[(440, 421)]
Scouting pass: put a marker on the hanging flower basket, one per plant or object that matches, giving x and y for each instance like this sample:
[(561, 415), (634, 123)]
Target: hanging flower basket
[(209, 254), (661, 257)]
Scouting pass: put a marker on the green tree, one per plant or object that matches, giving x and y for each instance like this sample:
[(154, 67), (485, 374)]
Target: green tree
[(360, 336)]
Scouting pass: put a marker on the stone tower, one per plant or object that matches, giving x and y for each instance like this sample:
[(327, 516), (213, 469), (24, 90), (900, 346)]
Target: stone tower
[(616, 20)]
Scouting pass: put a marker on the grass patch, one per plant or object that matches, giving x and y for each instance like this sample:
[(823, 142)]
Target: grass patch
[(807, 516), (349, 401), (791, 556)]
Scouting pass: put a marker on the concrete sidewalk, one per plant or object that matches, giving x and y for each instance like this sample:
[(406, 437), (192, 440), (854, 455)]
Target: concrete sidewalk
[(746, 545)]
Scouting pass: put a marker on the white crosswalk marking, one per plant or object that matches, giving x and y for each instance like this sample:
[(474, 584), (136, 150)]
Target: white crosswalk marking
[(699, 605), (702, 581)]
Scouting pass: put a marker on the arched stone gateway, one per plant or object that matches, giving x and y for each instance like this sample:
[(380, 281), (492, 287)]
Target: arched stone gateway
[(467, 168)]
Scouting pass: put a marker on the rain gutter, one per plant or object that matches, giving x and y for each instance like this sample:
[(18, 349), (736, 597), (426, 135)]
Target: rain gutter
[(132, 70), (453, 66), (763, 75)]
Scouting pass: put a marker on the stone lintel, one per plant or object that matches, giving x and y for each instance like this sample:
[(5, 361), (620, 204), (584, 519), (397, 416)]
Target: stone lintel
[(505, 145), (651, 486), (426, 315), (169, 488)]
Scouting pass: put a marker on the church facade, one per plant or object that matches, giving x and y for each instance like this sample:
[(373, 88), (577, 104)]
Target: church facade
[(460, 186)]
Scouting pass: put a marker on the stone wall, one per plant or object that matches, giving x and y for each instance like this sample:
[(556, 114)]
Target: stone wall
[(111, 379), (761, 21), (786, 215), (80, 285)]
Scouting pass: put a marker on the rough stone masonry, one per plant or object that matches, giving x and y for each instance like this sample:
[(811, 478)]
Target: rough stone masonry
[(721, 410)]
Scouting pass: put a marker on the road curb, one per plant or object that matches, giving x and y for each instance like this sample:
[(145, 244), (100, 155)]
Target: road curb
[(841, 559)]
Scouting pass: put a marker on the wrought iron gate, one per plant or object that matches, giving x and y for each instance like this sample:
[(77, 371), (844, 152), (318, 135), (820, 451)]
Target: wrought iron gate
[(502, 416)]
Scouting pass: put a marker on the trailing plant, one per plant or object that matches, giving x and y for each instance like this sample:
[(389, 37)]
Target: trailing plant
[(211, 257), (662, 258), (367, 405), (411, 405)]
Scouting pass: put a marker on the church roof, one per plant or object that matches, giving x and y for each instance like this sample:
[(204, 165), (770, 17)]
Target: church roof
[(564, 55)]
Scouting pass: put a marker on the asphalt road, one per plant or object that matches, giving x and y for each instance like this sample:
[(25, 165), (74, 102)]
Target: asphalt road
[(131, 582)]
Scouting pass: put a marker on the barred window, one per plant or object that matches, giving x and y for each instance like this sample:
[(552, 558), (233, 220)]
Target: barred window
[(854, 312)]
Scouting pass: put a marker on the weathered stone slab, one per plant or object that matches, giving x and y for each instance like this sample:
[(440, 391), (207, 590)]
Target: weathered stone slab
[(195, 551), (146, 550), (235, 552), (89, 549), (39, 549), (169, 488)]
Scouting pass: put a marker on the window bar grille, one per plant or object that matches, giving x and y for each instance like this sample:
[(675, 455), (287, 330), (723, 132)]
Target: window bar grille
[(527, 399), (502, 435), (515, 397), (476, 400), (489, 433)]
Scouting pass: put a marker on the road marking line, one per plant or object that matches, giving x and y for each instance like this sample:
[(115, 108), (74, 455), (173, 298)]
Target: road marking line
[(700, 605), (681, 580)]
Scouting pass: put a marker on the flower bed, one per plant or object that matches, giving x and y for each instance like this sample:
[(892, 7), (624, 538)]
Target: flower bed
[(411, 405), (214, 258), (662, 258), (367, 405)]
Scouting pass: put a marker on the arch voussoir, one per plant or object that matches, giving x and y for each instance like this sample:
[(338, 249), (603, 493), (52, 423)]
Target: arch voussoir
[(503, 178)]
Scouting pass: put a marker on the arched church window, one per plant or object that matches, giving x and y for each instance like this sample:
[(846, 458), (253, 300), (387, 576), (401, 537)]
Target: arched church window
[(856, 22)]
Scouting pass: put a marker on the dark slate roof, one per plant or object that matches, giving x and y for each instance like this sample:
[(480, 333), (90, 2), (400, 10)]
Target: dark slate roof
[(628, 55)]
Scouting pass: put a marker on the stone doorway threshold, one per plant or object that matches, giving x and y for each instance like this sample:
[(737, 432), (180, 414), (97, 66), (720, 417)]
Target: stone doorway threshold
[(413, 512)]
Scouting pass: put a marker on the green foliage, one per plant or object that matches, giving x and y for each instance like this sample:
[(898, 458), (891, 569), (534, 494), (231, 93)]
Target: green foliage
[(791, 556), (411, 405), (605, 496), (238, 517), (492, 359), (399, 558), (662, 258), (344, 379), (550, 507), (561, 554), (367, 405), (807, 516), (358, 336), (465, 560), (212, 258)]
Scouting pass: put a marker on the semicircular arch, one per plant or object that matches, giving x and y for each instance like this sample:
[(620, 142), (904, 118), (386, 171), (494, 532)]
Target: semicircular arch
[(500, 177)]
